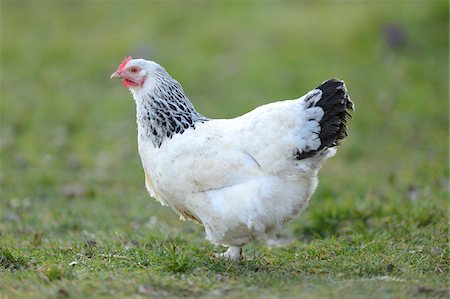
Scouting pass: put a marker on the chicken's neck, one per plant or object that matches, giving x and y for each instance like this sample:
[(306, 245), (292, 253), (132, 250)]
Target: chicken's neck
[(165, 111)]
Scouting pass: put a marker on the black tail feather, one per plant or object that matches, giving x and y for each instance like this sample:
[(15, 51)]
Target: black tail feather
[(335, 103)]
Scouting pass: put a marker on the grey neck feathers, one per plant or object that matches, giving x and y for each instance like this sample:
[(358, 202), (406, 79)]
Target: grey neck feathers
[(165, 111)]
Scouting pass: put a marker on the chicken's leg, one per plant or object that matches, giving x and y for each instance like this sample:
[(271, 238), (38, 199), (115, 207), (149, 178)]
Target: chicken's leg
[(233, 253)]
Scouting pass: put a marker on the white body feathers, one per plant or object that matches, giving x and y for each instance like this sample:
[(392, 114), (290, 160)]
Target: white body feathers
[(239, 177)]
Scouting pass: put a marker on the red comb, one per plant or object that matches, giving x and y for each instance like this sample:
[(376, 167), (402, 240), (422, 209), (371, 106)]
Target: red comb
[(124, 62)]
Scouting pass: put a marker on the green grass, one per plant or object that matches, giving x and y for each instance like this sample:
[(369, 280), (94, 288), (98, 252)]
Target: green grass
[(75, 220)]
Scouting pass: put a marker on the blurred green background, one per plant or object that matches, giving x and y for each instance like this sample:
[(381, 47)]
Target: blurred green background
[(69, 159)]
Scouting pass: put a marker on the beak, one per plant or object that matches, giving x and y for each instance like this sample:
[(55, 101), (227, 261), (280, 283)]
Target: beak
[(116, 74)]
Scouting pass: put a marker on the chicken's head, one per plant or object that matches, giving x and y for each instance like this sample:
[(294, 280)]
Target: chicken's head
[(133, 72)]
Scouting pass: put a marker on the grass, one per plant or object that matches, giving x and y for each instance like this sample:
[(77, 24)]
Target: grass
[(76, 222)]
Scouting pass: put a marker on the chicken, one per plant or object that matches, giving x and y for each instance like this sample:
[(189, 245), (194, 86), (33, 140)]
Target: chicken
[(241, 178)]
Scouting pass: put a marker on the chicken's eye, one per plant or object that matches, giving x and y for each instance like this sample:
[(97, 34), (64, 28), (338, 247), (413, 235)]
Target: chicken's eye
[(133, 69)]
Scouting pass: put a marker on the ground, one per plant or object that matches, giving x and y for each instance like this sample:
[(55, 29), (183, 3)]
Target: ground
[(75, 219)]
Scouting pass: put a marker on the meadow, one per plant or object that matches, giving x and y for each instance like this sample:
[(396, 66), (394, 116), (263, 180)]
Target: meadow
[(75, 218)]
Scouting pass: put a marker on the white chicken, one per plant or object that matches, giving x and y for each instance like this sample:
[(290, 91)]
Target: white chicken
[(241, 178)]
